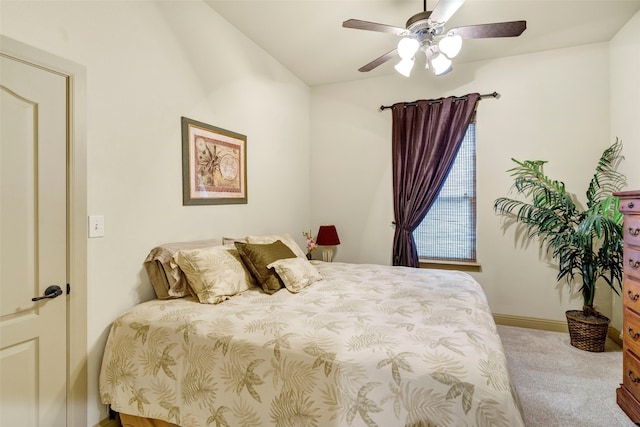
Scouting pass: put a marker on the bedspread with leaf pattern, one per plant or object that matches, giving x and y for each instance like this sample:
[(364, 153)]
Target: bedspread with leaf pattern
[(368, 345)]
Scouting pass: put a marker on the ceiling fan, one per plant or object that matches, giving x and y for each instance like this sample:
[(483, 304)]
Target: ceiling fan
[(426, 31)]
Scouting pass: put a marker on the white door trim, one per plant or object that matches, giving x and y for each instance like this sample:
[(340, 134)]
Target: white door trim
[(76, 220)]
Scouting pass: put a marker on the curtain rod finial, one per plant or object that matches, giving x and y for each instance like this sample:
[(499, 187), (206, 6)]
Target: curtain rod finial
[(496, 95)]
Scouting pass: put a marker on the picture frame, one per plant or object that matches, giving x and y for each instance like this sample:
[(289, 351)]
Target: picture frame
[(214, 165)]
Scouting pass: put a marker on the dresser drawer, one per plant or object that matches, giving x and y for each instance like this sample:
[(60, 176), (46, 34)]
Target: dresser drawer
[(631, 293), (631, 332), (631, 262), (631, 374), (631, 231), (629, 205)]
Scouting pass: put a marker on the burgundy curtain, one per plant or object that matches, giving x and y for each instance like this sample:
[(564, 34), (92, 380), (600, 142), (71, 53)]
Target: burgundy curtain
[(426, 139)]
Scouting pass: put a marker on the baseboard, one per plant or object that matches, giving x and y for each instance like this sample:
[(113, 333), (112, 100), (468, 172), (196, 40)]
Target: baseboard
[(531, 323), (615, 335), (546, 325)]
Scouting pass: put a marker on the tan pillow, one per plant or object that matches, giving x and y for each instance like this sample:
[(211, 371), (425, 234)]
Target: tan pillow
[(168, 280), (284, 238), (296, 273), (215, 273), (257, 256)]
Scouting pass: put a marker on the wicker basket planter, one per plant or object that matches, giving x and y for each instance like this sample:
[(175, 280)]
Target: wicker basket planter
[(587, 333)]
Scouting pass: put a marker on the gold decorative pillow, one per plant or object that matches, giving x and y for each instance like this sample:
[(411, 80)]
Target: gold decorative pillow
[(257, 256), (296, 273), (215, 273), (284, 238)]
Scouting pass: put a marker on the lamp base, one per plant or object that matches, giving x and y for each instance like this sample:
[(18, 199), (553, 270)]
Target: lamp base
[(327, 255)]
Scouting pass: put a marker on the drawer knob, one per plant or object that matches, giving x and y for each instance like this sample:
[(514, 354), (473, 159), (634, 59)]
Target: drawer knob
[(632, 378), (634, 231), (634, 336), (634, 264), (630, 205), (633, 297)]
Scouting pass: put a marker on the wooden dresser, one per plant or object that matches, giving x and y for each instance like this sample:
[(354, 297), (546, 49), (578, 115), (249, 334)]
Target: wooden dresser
[(628, 395)]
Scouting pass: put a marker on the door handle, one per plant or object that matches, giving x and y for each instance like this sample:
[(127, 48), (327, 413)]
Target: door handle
[(52, 291)]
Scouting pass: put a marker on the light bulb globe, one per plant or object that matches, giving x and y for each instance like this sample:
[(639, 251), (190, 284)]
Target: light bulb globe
[(407, 47), (440, 64), (450, 45), (404, 67)]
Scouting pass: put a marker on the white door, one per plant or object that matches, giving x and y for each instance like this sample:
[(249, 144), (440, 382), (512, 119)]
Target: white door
[(33, 245)]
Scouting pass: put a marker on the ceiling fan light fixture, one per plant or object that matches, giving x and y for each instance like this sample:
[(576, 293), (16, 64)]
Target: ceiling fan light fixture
[(450, 45), (427, 31), (404, 67), (407, 47)]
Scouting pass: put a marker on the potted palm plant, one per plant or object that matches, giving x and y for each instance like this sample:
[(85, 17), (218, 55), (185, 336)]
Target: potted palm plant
[(586, 241)]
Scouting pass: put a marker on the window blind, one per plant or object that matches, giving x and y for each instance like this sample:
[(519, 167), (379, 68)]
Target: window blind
[(448, 231)]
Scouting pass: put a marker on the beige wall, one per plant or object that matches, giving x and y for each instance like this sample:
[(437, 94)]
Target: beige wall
[(624, 69), (147, 65), (554, 106)]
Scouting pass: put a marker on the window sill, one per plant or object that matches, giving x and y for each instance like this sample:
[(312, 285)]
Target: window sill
[(451, 265)]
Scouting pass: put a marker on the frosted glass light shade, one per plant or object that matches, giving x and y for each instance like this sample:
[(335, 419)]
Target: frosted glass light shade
[(404, 67), (407, 47), (440, 64), (450, 45)]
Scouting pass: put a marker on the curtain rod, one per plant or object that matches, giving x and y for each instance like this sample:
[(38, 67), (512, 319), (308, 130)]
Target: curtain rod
[(438, 101)]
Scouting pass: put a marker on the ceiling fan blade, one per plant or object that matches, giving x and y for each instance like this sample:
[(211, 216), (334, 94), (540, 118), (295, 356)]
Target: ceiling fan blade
[(373, 26), (378, 61), (445, 10), (499, 29)]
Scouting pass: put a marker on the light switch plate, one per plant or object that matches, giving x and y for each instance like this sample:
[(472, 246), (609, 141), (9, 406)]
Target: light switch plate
[(96, 225)]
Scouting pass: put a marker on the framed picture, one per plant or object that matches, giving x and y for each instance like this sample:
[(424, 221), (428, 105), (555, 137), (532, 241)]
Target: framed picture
[(214, 165)]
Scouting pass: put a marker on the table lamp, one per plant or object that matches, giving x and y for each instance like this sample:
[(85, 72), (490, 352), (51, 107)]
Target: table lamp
[(327, 236)]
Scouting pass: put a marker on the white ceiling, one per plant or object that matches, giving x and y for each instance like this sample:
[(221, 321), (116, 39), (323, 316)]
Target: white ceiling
[(307, 37)]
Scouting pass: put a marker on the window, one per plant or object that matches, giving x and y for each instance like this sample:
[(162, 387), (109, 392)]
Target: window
[(448, 231)]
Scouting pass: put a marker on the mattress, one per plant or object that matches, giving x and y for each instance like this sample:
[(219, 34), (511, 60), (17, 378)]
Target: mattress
[(368, 345)]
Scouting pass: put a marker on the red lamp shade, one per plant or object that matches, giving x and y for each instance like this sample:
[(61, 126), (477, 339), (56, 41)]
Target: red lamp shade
[(328, 236)]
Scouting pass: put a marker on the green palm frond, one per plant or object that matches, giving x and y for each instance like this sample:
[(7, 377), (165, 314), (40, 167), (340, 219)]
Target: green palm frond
[(586, 243), (607, 179)]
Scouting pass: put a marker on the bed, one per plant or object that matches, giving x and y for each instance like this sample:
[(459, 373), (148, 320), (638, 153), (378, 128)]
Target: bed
[(361, 345)]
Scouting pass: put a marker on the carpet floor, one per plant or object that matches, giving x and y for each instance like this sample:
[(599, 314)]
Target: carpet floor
[(560, 385)]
